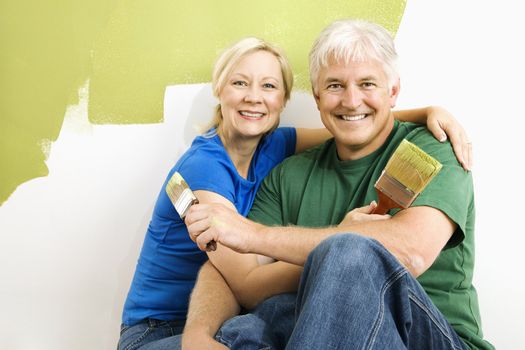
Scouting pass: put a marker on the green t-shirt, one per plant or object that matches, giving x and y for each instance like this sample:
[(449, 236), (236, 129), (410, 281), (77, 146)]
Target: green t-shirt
[(316, 189)]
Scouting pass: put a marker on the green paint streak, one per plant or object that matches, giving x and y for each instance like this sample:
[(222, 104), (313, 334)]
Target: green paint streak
[(43, 60), (130, 51)]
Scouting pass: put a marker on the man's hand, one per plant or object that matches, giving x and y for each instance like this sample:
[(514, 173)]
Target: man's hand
[(207, 222), (362, 214)]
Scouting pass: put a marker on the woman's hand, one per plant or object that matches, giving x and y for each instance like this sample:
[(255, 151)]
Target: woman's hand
[(442, 124)]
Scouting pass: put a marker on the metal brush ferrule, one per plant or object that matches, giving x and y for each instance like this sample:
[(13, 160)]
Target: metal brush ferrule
[(395, 190), (184, 202)]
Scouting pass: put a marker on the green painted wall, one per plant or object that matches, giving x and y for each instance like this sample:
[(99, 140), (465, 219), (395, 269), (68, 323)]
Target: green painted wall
[(130, 51)]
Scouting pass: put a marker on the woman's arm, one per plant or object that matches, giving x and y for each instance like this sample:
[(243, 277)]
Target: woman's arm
[(227, 280), (249, 281), (438, 121), (211, 303), (307, 138), (441, 123)]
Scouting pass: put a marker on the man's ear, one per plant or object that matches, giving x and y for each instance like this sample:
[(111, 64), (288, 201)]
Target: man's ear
[(394, 93), (316, 96)]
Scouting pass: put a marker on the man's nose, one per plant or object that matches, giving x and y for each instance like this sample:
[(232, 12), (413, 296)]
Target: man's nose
[(352, 97)]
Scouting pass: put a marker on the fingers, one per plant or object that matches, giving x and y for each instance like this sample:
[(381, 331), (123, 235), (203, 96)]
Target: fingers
[(468, 155), (195, 213), (364, 214), (459, 141), (443, 125), (199, 220), (367, 209), (206, 241), (378, 217), (435, 128), (462, 148), (198, 227)]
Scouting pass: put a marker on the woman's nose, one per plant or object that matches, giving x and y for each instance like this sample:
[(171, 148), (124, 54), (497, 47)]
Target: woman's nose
[(253, 95)]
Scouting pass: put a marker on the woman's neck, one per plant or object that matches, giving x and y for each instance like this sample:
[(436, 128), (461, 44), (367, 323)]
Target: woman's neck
[(240, 150)]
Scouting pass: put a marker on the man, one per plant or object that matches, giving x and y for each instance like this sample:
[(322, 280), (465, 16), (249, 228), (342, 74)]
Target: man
[(357, 289)]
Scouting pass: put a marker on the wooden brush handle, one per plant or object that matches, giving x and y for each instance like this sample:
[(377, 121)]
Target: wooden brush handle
[(384, 204), (211, 246)]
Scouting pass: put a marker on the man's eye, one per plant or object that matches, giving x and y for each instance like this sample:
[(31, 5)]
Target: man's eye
[(335, 86), (368, 85)]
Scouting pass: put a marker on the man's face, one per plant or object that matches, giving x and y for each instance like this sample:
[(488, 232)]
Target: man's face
[(355, 104)]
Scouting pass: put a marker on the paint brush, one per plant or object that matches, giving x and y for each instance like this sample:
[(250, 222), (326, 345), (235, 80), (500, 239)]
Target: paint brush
[(408, 171), (182, 199)]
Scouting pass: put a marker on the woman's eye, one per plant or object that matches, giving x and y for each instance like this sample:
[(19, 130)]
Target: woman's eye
[(269, 86), (240, 83)]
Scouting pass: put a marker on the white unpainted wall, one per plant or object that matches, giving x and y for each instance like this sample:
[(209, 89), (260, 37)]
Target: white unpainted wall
[(69, 241)]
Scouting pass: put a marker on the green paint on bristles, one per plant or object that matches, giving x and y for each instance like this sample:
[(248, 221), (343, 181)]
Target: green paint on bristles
[(411, 166), (176, 178)]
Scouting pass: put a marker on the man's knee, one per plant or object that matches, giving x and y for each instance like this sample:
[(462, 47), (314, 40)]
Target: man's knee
[(347, 251)]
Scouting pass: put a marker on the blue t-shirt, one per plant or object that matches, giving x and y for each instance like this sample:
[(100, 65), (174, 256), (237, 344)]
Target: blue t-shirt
[(169, 261)]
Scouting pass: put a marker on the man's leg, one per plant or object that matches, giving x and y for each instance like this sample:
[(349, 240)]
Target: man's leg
[(354, 294), (268, 326)]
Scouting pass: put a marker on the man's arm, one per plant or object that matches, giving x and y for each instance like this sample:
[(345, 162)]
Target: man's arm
[(212, 303), (213, 300), (249, 281), (407, 235)]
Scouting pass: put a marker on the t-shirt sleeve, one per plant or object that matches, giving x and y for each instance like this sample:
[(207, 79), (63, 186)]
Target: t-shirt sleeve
[(451, 191), (208, 169)]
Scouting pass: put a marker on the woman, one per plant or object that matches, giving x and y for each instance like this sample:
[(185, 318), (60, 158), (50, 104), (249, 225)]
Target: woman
[(253, 81)]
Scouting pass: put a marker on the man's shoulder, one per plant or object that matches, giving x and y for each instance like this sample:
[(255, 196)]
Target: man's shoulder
[(421, 137)]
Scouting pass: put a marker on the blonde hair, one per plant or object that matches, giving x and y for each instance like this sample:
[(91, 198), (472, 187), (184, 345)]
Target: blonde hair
[(354, 40), (231, 57)]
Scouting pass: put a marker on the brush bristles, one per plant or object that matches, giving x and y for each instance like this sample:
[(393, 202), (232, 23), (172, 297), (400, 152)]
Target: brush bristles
[(412, 167), (180, 194)]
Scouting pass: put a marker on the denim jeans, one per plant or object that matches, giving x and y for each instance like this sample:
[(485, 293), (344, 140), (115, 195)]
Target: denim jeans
[(353, 294), (151, 334)]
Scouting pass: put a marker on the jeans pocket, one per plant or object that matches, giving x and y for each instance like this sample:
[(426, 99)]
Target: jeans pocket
[(133, 337)]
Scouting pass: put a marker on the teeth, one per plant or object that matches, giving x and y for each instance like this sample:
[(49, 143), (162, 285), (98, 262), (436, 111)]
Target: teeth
[(353, 117), (251, 115)]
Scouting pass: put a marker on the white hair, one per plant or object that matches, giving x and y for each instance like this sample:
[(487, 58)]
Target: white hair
[(354, 41)]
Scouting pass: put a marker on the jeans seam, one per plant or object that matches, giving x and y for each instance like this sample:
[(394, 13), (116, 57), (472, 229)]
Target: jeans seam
[(123, 329), (433, 319), (221, 339), (138, 340), (389, 282)]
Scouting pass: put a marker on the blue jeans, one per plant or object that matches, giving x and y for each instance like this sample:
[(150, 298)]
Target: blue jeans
[(151, 334), (353, 294)]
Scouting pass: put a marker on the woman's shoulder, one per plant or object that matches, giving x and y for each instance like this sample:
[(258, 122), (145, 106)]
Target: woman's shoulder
[(279, 144)]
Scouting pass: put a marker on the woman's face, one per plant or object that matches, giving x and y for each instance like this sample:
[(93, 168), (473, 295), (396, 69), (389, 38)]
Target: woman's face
[(253, 96)]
